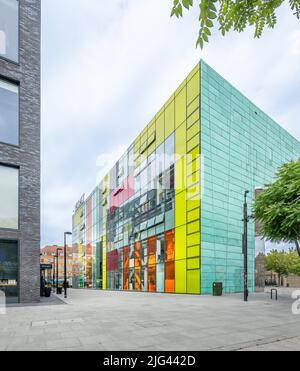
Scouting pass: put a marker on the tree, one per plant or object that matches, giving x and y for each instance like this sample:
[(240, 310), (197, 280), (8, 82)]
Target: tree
[(295, 264), (234, 15), (278, 262), (277, 209)]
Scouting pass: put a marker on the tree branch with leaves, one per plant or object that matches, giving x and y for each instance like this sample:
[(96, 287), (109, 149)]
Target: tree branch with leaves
[(277, 209), (234, 15)]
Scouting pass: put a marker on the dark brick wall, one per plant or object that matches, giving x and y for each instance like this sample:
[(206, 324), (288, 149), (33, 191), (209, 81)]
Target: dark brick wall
[(27, 155)]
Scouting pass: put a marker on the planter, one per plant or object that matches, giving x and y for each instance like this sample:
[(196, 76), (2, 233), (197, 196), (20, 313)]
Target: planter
[(47, 292)]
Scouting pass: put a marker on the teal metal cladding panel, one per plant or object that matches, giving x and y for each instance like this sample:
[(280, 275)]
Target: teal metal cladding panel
[(242, 148)]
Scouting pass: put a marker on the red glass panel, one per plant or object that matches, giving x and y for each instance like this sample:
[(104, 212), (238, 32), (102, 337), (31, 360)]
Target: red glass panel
[(126, 268), (122, 194), (112, 261)]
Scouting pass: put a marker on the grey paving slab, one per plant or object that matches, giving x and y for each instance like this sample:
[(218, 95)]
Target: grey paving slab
[(100, 320)]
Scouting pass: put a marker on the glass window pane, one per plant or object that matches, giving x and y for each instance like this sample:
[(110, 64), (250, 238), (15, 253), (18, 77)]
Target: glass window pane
[(170, 277), (160, 277), (9, 197), (9, 29), (9, 269), (9, 113)]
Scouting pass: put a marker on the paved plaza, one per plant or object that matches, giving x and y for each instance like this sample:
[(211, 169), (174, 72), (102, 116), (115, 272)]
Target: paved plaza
[(103, 320)]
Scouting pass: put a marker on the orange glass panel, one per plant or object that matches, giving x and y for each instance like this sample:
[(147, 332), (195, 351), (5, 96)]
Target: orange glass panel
[(152, 246), (137, 255), (152, 278), (152, 264), (170, 246), (170, 277), (151, 260), (126, 268), (137, 279)]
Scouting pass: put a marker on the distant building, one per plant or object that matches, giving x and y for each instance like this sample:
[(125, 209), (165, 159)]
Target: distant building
[(48, 256)]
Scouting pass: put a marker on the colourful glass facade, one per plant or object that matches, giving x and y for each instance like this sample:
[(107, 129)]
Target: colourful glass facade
[(167, 217)]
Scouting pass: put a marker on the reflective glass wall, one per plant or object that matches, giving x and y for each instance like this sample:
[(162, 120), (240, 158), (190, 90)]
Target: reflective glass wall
[(9, 270), (168, 217), (142, 223)]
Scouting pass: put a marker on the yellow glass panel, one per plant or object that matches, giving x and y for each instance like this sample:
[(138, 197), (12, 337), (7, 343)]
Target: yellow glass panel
[(193, 282), (151, 149), (180, 108), (161, 111), (180, 175), (170, 119), (193, 204), (170, 100), (194, 153), (195, 105), (193, 215), (193, 166), (193, 143), (104, 268), (193, 130), (144, 135), (180, 277), (193, 263), (193, 72), (193, 227), (151, 128), (195, 117), (180, 140), (193, 87), (137, 144), (192, 179), (180, 243), (180, 209), (181, 87), (193, 252), (160, 129), (193, 193), (193, 239)]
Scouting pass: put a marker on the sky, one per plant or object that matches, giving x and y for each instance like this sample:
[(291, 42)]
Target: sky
[(109, 66)]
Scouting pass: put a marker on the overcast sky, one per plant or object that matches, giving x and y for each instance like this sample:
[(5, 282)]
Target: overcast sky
[(108, 67)]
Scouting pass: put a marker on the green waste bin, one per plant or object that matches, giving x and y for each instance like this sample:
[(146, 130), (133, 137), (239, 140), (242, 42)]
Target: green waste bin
[(217, 289)]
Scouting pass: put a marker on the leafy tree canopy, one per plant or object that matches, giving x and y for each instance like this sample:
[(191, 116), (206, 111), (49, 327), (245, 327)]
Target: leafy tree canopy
[(295, 264), (283, 263), (234, 15), (278, 262), (278, 207)]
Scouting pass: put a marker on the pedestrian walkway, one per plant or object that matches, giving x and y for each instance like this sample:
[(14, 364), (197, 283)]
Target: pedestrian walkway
[(104, 320)]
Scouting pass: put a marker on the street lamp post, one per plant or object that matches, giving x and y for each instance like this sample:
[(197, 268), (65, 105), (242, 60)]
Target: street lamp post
[(245, 247), (65, 261), (57, 250), (53, 273)]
